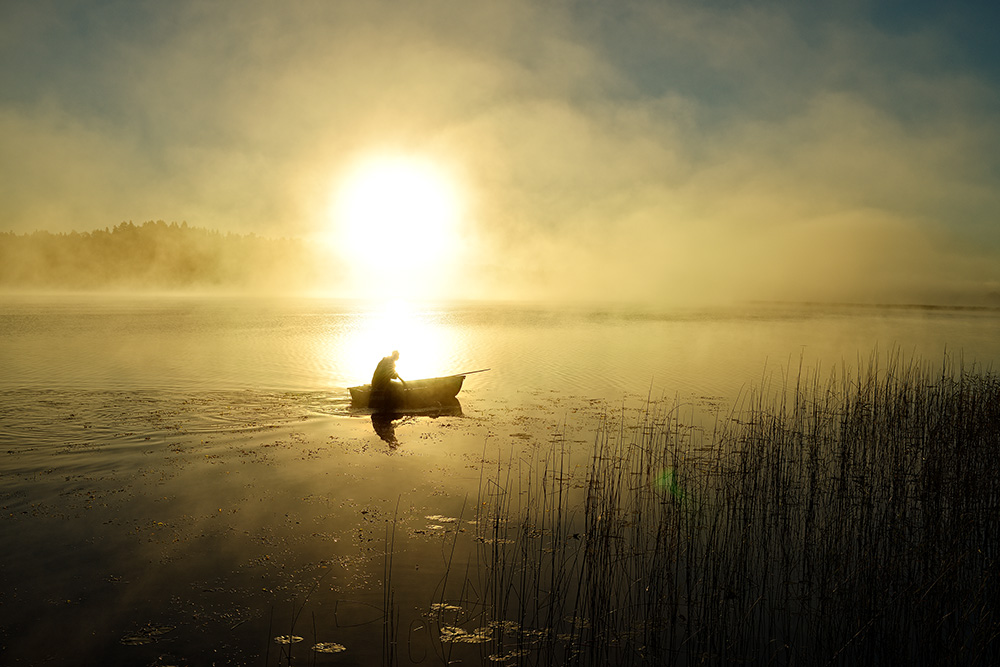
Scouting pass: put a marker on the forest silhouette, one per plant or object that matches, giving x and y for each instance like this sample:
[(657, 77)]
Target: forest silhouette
[(157, 256)]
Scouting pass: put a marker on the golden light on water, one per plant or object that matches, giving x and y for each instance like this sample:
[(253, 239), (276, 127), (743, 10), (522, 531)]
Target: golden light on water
[(426, 346), (395, 224)]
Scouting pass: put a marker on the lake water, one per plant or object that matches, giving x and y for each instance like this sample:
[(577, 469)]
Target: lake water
[(183, 479), (192, 344)]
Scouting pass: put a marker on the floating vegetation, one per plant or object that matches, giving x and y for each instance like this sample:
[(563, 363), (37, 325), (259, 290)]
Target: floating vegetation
[(451, 634), (441, 610), (509, 655), (146, 635), (288, 639), (441, 519), (136, 640), (329, 647)]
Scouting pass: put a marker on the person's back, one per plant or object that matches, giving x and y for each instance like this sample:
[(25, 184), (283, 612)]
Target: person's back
[(385, 372)]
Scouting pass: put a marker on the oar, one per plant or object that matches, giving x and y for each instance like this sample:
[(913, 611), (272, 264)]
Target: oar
[(481, 370)]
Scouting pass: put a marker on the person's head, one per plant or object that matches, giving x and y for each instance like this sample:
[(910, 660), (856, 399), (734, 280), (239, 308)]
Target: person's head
[(395, 355)]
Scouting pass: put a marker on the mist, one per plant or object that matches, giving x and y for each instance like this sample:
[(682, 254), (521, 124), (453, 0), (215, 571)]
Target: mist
[(672, 153), (157, 257)]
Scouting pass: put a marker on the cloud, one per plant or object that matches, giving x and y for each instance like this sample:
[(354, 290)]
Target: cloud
[(53, 165), (644, 150)]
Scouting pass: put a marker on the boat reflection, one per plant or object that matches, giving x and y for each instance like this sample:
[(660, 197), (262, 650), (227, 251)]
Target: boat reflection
[(385, 421)]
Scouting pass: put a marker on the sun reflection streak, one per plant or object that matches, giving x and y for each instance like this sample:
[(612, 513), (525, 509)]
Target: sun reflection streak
[(427, 346)]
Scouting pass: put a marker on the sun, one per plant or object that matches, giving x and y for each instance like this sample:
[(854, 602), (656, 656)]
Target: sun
[(396, 221)]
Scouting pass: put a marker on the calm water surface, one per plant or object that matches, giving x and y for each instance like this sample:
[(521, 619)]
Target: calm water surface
[(192, 344), (182, 479)]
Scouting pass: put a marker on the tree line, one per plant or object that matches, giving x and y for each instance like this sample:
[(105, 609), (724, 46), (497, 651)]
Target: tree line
[(156, 255)]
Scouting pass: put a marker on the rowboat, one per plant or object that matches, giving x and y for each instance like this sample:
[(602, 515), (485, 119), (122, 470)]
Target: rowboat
[(414, 395)]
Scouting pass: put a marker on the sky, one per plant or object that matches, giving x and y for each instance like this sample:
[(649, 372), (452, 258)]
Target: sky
[(674, 152)]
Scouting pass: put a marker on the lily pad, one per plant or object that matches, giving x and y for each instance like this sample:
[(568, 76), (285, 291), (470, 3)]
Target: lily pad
[(287, 639), (329, 647), (450, 634)]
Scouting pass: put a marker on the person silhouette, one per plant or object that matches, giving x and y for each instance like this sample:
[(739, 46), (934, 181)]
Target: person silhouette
[(382, 396)]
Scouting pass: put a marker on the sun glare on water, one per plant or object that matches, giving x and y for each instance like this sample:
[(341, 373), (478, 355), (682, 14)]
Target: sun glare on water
[(426, 344), (396, 223)]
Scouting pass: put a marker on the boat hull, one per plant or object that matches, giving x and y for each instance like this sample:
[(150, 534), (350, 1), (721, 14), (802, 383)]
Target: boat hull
[(414, 395)]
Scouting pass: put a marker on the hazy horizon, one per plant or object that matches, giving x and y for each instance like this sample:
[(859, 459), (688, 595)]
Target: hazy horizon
[(675, 152), (246, 264)]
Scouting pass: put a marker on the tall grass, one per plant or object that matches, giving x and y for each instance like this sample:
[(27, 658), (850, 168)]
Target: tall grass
[(851, 520)]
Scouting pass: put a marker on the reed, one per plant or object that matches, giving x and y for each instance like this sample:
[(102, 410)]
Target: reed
[(845, 519)]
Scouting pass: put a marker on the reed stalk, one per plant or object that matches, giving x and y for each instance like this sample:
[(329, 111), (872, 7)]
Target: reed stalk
[(848, 519)]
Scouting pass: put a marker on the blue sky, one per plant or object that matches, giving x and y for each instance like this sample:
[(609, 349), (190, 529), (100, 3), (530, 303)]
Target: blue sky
[(647, 150)]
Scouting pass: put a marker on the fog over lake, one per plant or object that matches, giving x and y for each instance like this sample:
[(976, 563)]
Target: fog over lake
[(201, 343), (184, 478), (722, 282)]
